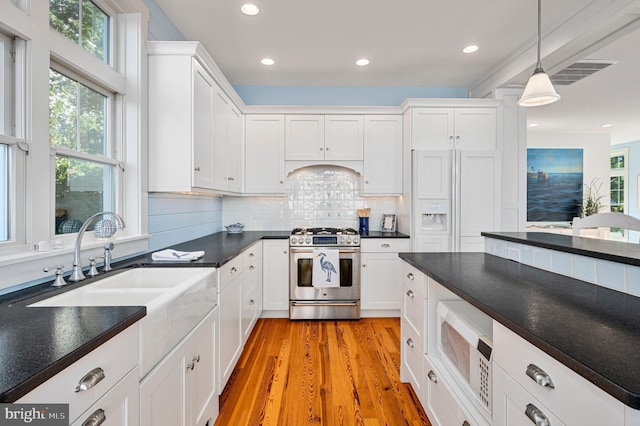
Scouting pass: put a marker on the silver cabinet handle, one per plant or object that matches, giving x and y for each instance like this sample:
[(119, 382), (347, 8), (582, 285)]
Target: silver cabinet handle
[(251, 268), (432, 376), (539, 376), (410, 276), (385, 245), (197, 169), (233, 270), (191, 366), (410, 294), (410, 343), (465, 423), (252, 255), (90, 379), (251, 302), (321, 149), (96, 418), (536, 416), (326, 149)]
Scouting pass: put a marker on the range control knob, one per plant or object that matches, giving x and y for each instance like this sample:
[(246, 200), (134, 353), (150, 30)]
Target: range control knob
[(307, 240), (294, 240), (348, 240), (355, 240)]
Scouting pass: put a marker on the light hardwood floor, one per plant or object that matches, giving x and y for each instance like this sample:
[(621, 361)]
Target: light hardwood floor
[(320, 372)]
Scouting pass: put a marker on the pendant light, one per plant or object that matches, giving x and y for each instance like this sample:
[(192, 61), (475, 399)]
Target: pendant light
[(539, 90)]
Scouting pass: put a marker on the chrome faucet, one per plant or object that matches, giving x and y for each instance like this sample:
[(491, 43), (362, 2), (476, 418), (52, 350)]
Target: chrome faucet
[(76, 272)]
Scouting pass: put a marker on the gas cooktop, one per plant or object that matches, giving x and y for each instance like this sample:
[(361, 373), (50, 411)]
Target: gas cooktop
[(324, 237)]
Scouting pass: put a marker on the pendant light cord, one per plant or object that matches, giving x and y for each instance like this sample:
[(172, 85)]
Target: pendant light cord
[(539, 63)]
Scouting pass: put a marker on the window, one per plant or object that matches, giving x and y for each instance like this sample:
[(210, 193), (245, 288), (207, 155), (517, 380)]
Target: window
[(618, 187), (85, 167), (82, 22), (7, 122)]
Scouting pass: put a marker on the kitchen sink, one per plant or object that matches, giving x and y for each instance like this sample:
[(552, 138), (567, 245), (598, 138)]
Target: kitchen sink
[(176, 300)]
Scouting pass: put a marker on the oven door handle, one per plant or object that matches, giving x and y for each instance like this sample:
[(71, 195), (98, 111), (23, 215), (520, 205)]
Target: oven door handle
[(324, 303), (310, 250)]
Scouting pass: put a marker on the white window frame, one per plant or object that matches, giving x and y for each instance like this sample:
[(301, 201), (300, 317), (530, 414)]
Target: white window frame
[(20, 263), (624, 173)]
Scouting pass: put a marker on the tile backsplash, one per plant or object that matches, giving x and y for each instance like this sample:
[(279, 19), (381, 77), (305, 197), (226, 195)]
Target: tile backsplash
[(314, 196)]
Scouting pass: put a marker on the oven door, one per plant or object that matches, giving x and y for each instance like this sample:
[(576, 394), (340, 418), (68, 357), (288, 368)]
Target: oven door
[(301, 273)]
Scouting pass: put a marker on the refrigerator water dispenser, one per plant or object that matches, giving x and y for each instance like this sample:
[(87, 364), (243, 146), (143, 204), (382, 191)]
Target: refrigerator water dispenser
[(434, 216)]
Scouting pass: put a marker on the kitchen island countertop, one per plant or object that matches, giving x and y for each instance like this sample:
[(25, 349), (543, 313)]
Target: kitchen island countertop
[(592, 330)]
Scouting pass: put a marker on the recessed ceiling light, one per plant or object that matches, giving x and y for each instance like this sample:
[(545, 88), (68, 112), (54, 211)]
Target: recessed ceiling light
[(362, 62), (607, 125), (470, 49), (533, 125), (250, 9), (267, 61)]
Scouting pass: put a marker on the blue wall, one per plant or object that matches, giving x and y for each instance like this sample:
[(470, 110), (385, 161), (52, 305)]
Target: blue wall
[(349, 96)]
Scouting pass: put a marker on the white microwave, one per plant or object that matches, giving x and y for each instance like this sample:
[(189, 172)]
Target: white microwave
[(464, 343)]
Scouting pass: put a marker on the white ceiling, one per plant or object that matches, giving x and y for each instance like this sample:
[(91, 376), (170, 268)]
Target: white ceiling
[(412, 43)]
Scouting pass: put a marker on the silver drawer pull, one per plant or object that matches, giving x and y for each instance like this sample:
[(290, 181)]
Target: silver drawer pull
[(410, 276), (410, 343), (432, 376), (251, 268), (536, 416), (385, 245), (96, 418), (252, 255), (410, 294), (91, 379), (465, 423), (234, 270), (539, 376)]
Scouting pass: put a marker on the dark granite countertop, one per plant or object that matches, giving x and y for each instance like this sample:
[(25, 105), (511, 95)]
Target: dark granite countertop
[(628, 253), (37, 343), (379, 234), (592, 330)]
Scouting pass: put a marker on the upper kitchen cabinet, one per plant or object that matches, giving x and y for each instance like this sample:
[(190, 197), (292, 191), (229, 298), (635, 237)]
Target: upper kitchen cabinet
[(464, 128), (320, 137), (228, 173), (195, 130), (264, 154), (383, 155)]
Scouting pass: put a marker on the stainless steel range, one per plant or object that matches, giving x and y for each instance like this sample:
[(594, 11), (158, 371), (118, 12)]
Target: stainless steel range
[(310, 295)]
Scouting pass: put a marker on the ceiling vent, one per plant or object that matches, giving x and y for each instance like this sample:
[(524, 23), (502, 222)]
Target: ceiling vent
[(580, 70)]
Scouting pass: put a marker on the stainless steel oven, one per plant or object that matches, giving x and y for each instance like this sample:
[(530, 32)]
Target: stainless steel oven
[(307, 301)]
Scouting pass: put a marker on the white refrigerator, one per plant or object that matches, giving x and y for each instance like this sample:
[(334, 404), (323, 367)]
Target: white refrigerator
[(455, 196)]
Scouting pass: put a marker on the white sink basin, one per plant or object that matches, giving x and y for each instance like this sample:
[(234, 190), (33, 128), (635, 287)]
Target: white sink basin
[(176, 299)]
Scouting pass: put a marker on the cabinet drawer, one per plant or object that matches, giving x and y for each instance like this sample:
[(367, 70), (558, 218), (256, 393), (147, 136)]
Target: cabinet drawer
[(572, 398), (230, 270), (414, 280), (511, 402), (252, 256), (442, 407), (384, 245), (412, 356), (120, 406), (61, 388), (413, 309)]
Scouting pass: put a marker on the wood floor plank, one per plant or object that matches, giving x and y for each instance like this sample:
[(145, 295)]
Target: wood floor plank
[(328, 373)]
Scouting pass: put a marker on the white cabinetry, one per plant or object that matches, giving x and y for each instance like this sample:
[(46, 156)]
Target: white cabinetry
[(382, 155), (412, 328), (449, 128), (381, 267), (251, 289), (195, 131), (100, 374), (275, 284), (227, 145), (319, 137), (230, 300), (559, 394), (264, 154), (181, 389)]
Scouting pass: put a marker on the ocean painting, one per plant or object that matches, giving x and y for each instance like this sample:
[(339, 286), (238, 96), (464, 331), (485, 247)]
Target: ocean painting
[(554, 184)]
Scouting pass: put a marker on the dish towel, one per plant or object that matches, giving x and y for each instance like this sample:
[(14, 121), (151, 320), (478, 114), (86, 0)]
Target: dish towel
[(170, 255), (326, 268)]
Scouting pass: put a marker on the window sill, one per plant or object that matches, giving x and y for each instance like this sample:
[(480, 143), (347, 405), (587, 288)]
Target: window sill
[(25, 266)]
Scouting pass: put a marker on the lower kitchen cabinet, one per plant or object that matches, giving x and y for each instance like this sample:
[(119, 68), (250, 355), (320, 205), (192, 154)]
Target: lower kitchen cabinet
[(107, 382), (380, 271), (119, 407), (275, 275), (182, 388), (251, 289), (230, 337), (412, 327)]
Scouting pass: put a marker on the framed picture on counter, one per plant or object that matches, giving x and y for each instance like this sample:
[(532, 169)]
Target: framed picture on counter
[(388, 222)]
